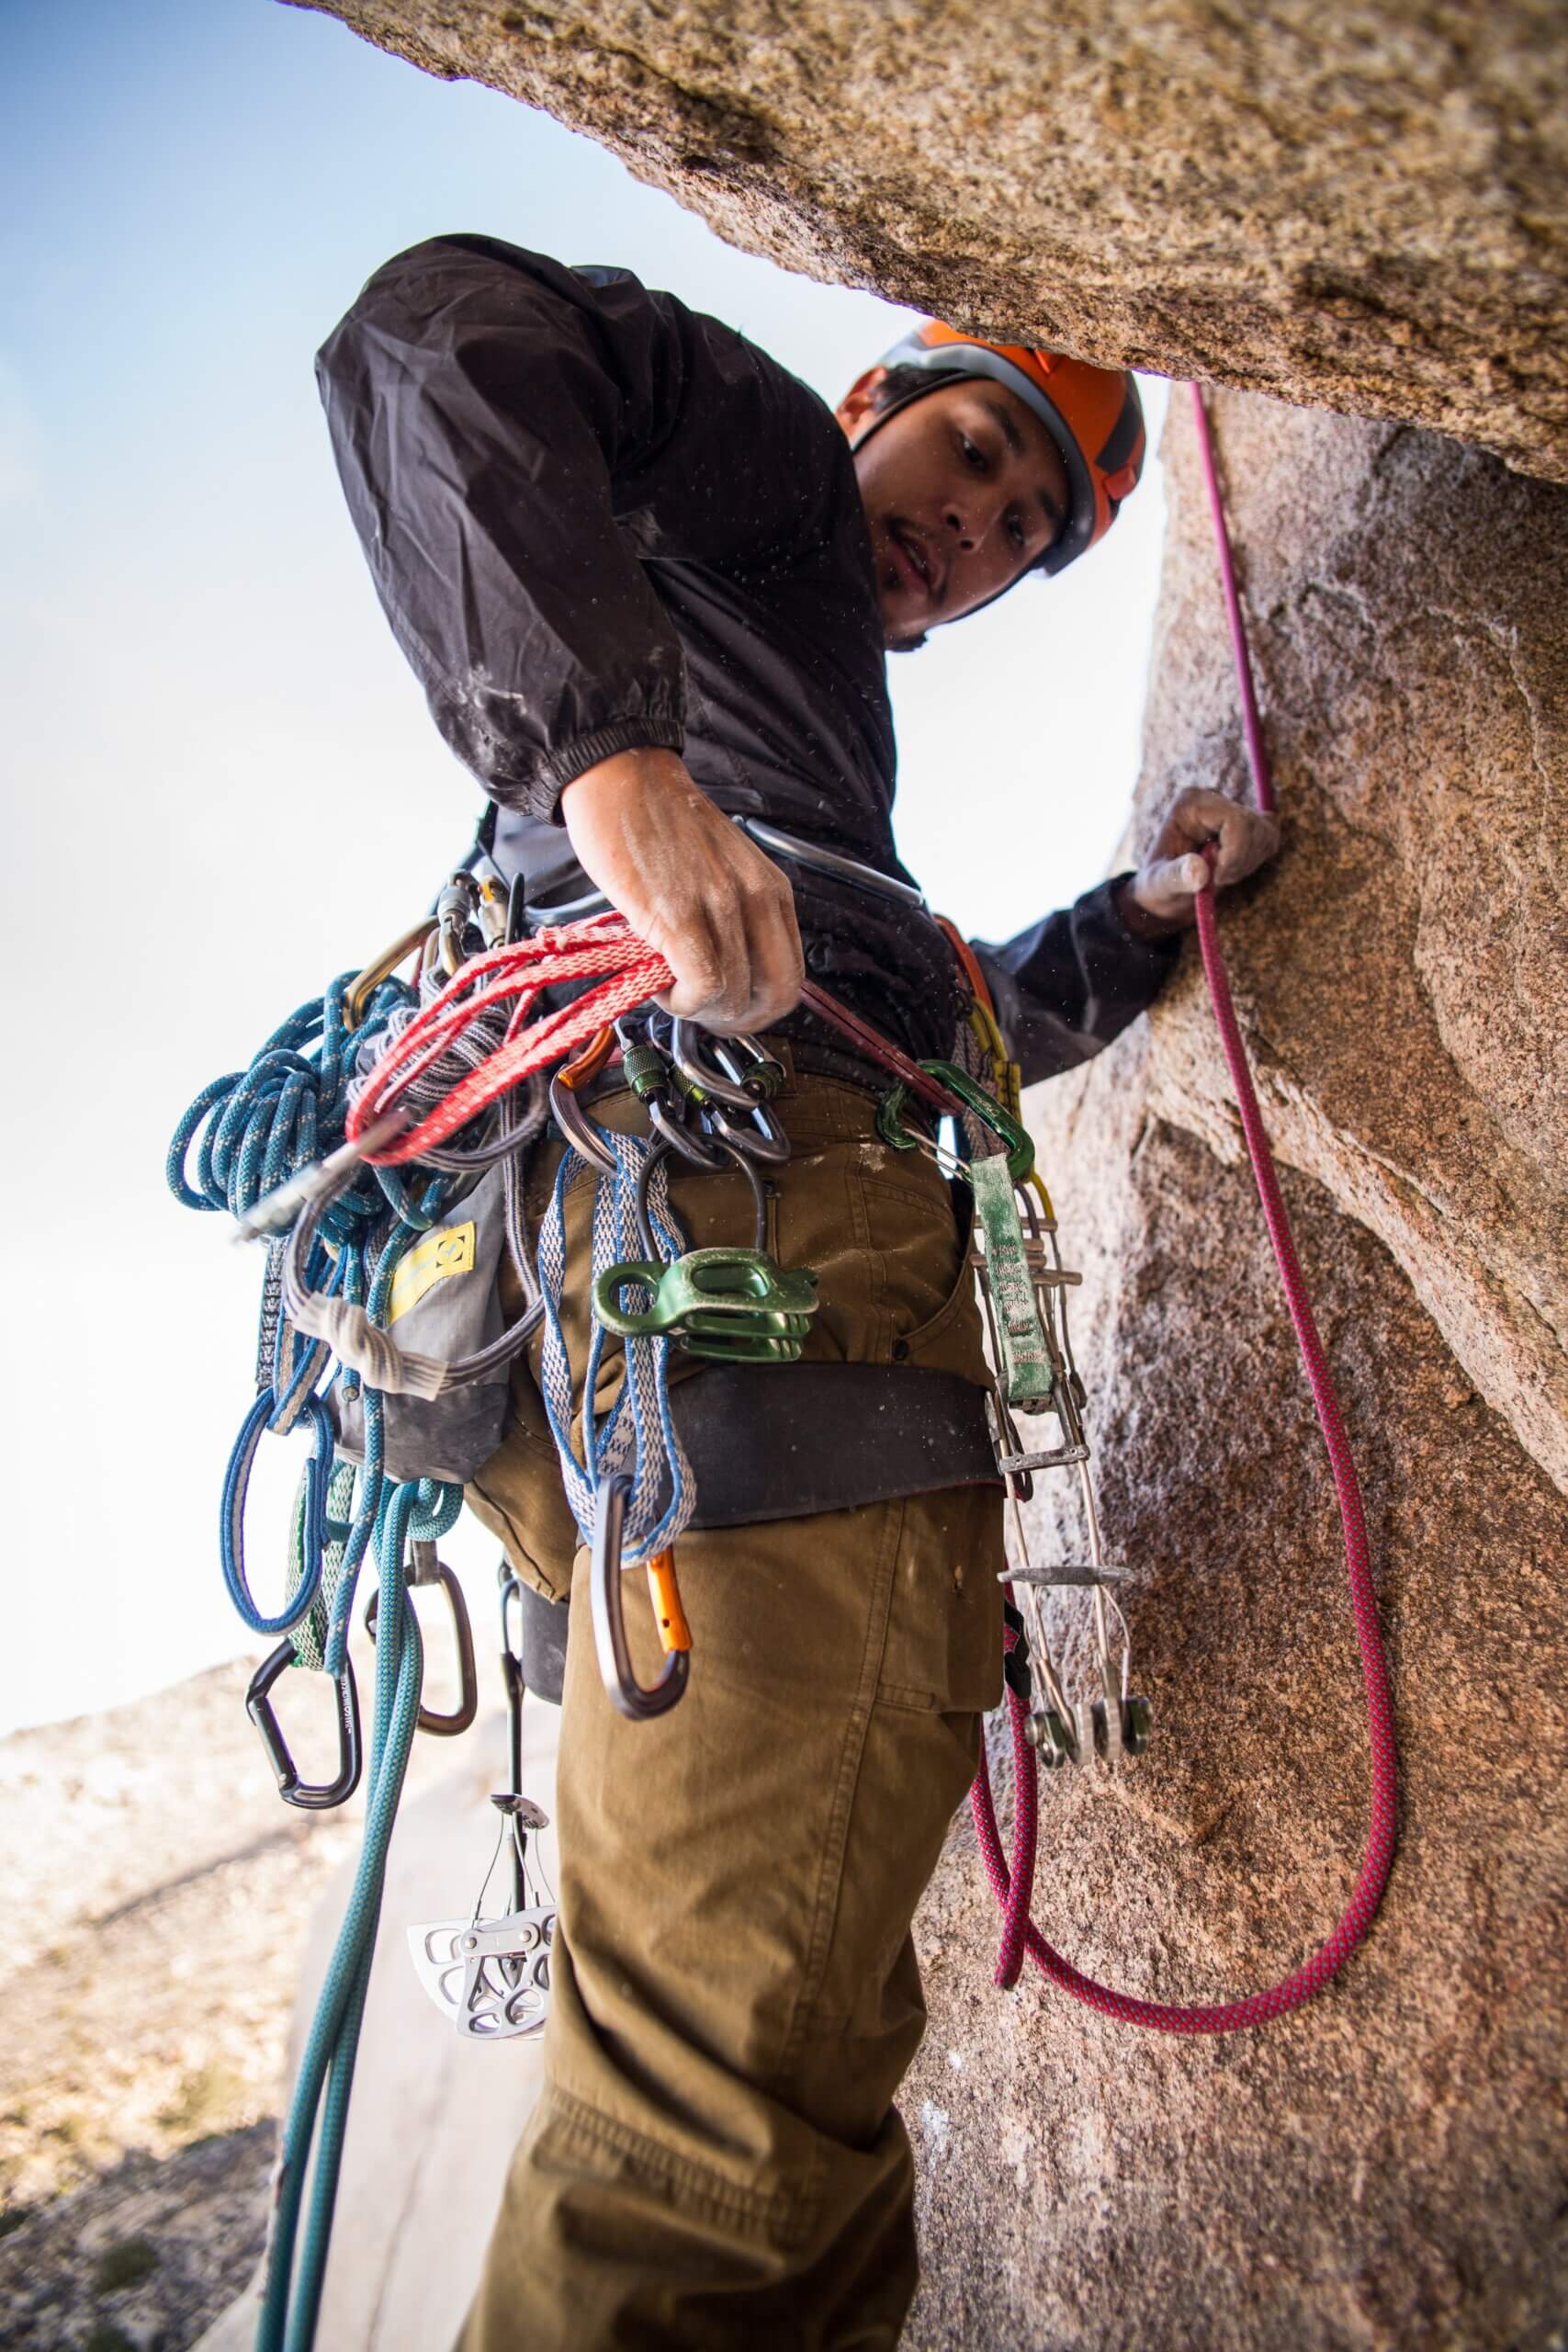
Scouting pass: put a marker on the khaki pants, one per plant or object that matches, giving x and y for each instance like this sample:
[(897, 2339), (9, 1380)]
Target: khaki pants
[(715, 2159)]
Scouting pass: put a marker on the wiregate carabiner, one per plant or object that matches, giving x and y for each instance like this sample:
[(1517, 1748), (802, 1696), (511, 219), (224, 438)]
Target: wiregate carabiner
[(638, 1703), (429, 1570), (310, 1796)]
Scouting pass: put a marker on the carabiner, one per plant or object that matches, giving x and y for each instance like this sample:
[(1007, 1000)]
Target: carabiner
[(630, 1698), (454, 907), (973, 1095), (429, 1570), (360, 990), (568, 1114), (764, 1139), (580, 1130), (707, 1084), (310, 1796), (666, 1121)]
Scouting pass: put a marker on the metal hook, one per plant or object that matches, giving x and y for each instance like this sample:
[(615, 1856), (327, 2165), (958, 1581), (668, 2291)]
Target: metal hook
[(627, 1695), (429, 1570), (668, 1122), (580, 1130), (764, 1139), (361, 989), (718, 1085), (310, 1796)]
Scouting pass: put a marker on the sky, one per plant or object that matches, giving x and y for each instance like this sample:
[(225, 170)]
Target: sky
[(220, 782)]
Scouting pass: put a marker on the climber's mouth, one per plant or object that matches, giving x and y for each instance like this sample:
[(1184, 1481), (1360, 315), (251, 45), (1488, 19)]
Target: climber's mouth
[(917, 558)]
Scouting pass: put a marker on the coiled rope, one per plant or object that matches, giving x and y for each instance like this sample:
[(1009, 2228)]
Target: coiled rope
[(1276, 2000)]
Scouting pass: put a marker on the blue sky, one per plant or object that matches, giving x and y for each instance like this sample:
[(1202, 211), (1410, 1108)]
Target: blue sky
[(220, 782)]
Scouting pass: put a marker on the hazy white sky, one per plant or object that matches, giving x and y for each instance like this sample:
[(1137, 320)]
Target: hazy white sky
[(221, 784)]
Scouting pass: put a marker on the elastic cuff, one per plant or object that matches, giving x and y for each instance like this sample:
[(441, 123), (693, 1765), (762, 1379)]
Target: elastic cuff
[(1165, 946), (585, 751)]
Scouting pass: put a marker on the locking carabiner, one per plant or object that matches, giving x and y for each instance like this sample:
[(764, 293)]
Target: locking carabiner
[(310, 1796), (638, 1703)]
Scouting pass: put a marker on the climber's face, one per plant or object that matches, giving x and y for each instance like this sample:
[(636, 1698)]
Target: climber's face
[(964, 491)]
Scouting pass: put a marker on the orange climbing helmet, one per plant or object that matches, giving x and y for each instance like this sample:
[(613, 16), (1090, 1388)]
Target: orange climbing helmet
[(1093, 415)]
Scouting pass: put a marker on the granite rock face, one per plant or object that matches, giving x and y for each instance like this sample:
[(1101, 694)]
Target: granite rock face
[(1386, 2168), (1403, 972), (1363, 209)]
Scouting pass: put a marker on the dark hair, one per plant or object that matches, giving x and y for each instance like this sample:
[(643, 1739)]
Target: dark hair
[(902, 383)]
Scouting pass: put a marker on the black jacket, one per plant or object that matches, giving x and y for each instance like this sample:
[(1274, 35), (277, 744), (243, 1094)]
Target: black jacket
[(598, 520)]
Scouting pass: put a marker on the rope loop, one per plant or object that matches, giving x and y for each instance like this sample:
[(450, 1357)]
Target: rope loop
[(313, 1515), (1012, 1889)]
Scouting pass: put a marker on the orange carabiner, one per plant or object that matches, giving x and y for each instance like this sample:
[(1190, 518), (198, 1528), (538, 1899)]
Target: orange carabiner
[(589, 1062)]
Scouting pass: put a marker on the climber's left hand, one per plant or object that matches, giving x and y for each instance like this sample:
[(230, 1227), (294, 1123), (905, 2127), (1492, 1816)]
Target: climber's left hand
[(1162, 896)]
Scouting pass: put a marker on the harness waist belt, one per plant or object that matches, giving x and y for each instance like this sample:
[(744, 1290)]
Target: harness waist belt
[(769, 1443), (775, 1442)]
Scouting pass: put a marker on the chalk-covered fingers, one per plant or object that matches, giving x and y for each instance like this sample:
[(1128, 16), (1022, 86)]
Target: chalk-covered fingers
[(1162, 895), (690, 883)]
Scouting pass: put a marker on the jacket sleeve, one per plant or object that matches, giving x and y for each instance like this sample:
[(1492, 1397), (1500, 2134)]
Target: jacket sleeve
[(496, 418), (1072, 983)]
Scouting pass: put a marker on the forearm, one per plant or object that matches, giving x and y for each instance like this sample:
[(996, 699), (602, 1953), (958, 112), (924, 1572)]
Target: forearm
[(1071, 983)]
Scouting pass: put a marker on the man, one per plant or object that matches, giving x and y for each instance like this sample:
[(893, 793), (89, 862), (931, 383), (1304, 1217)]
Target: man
[(649, 581)]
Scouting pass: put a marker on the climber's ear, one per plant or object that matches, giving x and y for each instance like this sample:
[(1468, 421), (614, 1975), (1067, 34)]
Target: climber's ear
[(858, 407)]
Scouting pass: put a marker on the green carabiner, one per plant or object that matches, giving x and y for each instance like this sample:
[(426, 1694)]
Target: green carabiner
[(1019, 1142)]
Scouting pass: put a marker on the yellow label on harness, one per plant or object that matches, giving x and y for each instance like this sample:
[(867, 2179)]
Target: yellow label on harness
[(448, 1251)]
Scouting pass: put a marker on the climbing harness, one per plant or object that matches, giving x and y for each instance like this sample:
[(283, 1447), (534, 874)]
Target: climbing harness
[(375, 1147)]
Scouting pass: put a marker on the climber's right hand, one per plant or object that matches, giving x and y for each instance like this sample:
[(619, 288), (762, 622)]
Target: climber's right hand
[(689, 881)]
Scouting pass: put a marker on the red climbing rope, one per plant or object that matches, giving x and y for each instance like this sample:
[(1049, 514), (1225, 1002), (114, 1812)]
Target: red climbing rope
[(1014, 1899), (1254, 2008), (603, 948)]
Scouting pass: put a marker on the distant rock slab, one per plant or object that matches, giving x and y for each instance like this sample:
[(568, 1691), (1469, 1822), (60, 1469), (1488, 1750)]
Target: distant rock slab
[(1358, 209)]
